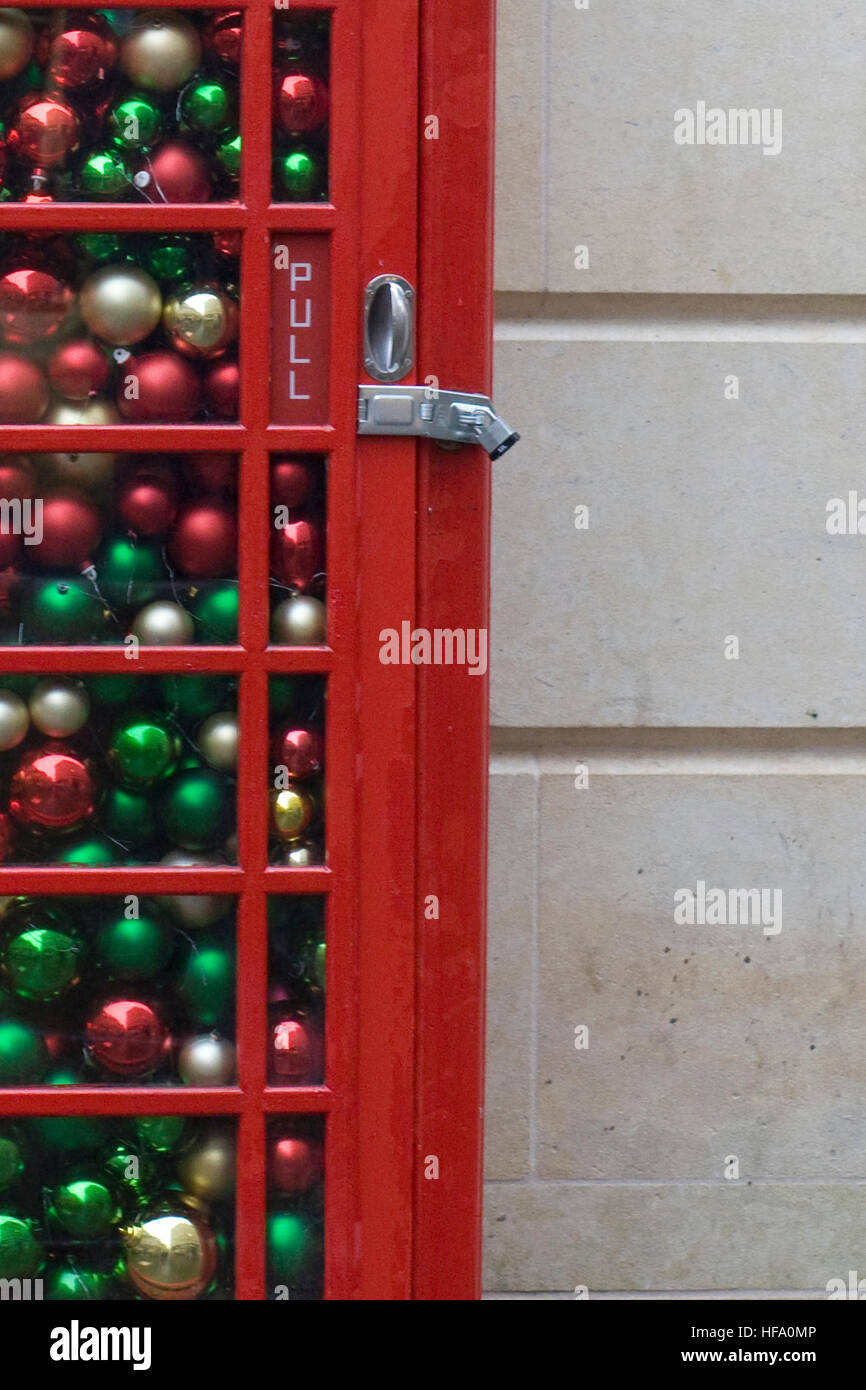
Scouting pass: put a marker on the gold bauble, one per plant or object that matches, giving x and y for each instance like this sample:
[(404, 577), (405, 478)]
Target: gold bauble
[(292, 811), (170, 1256), (207, 1170), (120, 304), (201, 321), (16, 43), (89, 471), (161, 51)]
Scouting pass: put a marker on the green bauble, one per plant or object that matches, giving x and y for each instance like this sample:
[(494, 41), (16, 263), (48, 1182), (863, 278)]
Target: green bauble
[(207, 984), (290, 1244), (131, 1175), (170, 259), (100, 246), (319, 964), (130, 572), (194, 697), (88, 852), (216, 613), (283, 694), (144, 750), (128, 816), (62, 610), (68, 1133), (207, 105), (196, 809), (229, 155), (160, 1133), (104, 176), (134, 123), (19, 683), (117, 691), (23, 1054), (63, 1284), (297, 175), (41, 962), (20, 1251), (84, 1209), (134, 949), (11, 1157)]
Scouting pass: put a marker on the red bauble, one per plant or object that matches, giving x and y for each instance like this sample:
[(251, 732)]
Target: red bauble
[(52, 788), (227, 244), (71, 531), (11, 548), (24, 391), (204, 542), (222, 389), (297, 554), (179, 174), (300, 102), (128, 1038), (82, 55), (292, 481), (223, 37), (147, 500), (295, 1049), (212, 473), (295, 1164), (33, 305), (301, 751), (158, 386), (7, 838), (16, 476), (78, 369), (46, 133)]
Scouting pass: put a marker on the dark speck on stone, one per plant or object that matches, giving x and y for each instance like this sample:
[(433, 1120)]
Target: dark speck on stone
[(667, 949), (673, 1020), (747, 960), (640, 871), (811, 1047)]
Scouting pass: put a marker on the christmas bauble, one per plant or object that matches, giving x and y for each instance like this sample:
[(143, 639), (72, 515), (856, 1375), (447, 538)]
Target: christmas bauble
[(207, 982), (23, 390), (91, 471), (16, 43), (211, 473), (87, 852), (67, 1283), (207, 1061), (292, 813), (207, 1169), (33, 305), (71, 528), (223, 37), (228, 244), (127, 1037), (104, 177), (11, 1157), (228, 155), (120, 304), (301, 854), (192, 697), (176, 173), (23, 1054), (160, 1133), (46, 132), (134, 123), (171, 1256), (158, 386), (14, 720), (295, 1054), (163, 624), (61, 610), (299, 621), (41, 962), (133, 948), (21, 1254), (201, 321), (67, 1133), (222, 389), (52, 788), (130, 571), (207, 105), (301, 751), (82, 54), (171, 259), (161, 51), (196, 809), (144, 750), (128, 816), (193, 911), (300, 101), (215, 609), (298, 175), (297, 553), (59, 706), (76, 370), (293, 480), (147, 500), (290, 1245), (85, 1209), (204, 540), (295, 1163), (218, 741)]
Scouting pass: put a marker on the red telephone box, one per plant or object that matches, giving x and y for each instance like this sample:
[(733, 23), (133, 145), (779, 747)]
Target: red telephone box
[(243, 622)]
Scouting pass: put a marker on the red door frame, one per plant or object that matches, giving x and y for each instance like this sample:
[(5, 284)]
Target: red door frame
[(407, 747)]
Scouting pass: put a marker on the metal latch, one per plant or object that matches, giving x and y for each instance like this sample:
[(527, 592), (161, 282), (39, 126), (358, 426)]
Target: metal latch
[(449, 416)]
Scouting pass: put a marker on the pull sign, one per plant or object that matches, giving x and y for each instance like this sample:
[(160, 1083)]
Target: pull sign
[(452, 417), (389, 327)]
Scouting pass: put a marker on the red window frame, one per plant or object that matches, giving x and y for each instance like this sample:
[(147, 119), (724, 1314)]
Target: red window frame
[(408, 530)]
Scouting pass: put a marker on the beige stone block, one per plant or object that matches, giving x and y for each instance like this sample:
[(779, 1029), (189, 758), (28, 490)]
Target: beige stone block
[(520, 172), (707, 519), (659, 216), (706, 1042), (513, 890)]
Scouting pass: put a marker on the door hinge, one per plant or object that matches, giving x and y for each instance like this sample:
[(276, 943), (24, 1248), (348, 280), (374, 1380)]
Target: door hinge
[(453, 417)]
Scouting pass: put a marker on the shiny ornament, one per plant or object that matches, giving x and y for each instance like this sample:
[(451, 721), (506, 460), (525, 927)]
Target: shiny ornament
[(218, 741), (130, 571), (207, 105), (143, 751), (16, 477), (158, 387), (120, 304), (163, 624), (222, 389), (290, 1245), (23, 1054), (128, 816), (293, 481), (161, 51), (11, 1157), (292, 813), (295, 1164), (88, 852), (201, 321), (207, 1169), (52, 789), (207, 983), (133, 948), (207, 1061), (127, 1038), (170, 1256), (297, 553), (76, 370), (24, 391), (194, 911), (191, 697), (82, 54), (91, 471), (71, 529), (14, 720), (196, 809), (147, 500), (300, 751), (228, 244), (204, 540), (297, 175), (295, 1049), (215, 609), (100, 246), (62, 610), (300, 101), (211, 473), (33, 305), (170, 259), (69, 1283), (302, 854), (134, 123), (104, 176), (85, 1209), (176, 173), (21, 1254), (16, 43), (228, 153), (160, 1133), (299, 621), (223, 37), (68, 1133), (41, 962), (59, 706), (46, 132)]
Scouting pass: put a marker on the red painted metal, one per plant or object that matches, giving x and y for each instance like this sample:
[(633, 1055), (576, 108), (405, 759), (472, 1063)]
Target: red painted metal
[(406, 769)]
